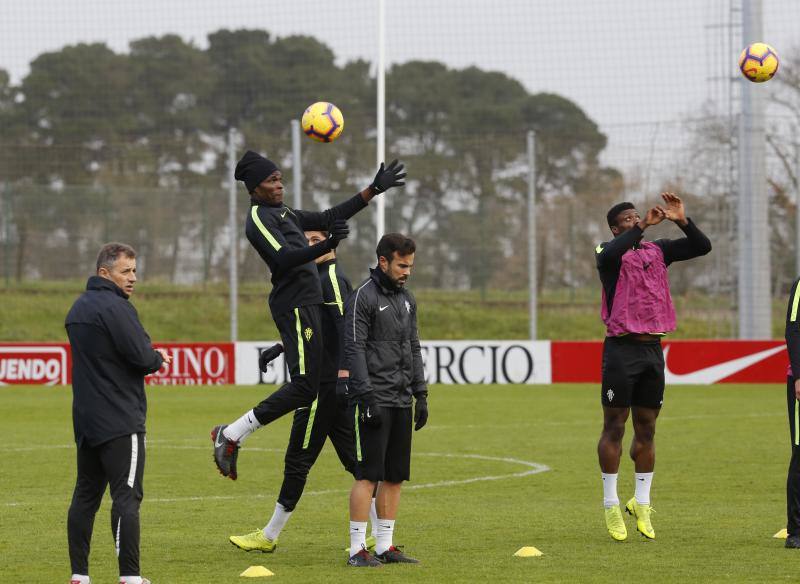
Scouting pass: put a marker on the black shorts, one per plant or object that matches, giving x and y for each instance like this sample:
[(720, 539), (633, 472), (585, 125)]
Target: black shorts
[(384, 453), (633, 373)]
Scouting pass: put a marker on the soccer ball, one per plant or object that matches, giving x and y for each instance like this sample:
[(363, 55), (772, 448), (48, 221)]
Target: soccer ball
[(759, 62), (322, 121)]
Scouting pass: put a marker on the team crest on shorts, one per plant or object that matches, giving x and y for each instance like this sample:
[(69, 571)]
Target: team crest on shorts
[(610, 395), (308, 332)]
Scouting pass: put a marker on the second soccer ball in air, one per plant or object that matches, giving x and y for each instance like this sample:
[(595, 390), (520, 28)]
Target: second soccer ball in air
[(759, 62), (322, 121)]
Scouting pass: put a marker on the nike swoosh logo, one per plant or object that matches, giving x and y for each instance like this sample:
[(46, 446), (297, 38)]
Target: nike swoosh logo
[(718, 372), (283, 214), (384, 308), (598, 249), (217, 442)]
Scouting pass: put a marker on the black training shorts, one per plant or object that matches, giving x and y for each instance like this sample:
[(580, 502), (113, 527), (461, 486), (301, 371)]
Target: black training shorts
[(384, 453), (633, 373)]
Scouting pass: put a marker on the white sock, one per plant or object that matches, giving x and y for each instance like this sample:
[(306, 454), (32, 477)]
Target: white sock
[(373, 518), (242, 427), (610, 497), (130, 580), (79, 579), (279, 518), (643, 482), (358, 536), (385, 533)]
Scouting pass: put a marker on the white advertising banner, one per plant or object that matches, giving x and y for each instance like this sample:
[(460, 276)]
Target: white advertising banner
[(447, 362)]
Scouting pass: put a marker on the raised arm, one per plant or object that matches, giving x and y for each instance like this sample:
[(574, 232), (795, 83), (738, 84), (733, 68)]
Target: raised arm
[(695, 243), (611, 252), (268, 240), (386, 178)]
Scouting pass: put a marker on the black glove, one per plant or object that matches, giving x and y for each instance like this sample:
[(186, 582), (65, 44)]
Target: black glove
[(342, 391), (337, 232), (388, 177), (268, 355), (420, 412), (368, 413)]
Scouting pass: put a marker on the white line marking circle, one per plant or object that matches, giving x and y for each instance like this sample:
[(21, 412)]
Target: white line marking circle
[(531, 468)]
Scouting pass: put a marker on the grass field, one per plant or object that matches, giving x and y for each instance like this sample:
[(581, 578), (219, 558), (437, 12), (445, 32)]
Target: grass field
[(35, 311), (718, 491)]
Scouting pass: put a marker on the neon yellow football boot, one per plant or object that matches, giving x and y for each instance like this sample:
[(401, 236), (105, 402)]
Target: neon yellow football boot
[(615, 524), (254, 542), (642, 514)]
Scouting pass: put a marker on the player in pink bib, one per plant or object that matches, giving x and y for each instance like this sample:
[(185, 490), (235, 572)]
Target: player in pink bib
[(637, 311)]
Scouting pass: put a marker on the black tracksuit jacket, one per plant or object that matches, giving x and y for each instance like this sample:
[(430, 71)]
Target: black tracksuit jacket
[(111, 354), (276, 232), (381, 343)]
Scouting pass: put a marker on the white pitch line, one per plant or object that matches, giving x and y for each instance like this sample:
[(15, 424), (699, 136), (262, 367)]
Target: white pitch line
[(533, 468)]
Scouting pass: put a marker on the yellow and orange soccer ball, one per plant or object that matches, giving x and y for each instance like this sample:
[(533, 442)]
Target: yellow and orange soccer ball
[(322, 121), (759, 62)]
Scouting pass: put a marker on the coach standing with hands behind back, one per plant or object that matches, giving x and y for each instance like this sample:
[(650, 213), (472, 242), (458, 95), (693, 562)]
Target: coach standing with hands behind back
[(111, 354)]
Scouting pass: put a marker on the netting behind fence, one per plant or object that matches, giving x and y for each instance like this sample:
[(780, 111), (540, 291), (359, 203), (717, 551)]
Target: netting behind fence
[(115, 126)]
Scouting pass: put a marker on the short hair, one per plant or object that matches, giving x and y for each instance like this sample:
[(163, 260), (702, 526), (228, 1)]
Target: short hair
[(611, 217), (110, 252), (395, 242)]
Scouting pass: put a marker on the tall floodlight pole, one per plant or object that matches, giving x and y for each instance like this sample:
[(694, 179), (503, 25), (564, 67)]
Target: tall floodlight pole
[(753, 237), (797, 209), (233, 282), (297, 166), (532, 282), (380, 208)]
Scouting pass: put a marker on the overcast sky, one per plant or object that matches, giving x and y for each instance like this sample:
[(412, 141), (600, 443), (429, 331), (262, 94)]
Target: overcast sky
[(627, 63)]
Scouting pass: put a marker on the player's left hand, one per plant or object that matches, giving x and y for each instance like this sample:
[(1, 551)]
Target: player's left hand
[(342, 391), (420, 412), (388, 177), (673, 208)]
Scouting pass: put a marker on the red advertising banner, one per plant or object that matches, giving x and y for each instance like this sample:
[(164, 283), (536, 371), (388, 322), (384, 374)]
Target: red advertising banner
[(51, 364), (686, 362), (196, 364), (35, 364)]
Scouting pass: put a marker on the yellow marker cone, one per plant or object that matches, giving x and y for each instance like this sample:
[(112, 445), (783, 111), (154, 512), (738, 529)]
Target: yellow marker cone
[(527, 552), (256, 572), (781, 534)]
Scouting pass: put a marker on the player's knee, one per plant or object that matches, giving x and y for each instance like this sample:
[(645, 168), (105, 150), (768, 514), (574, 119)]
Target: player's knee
[(613, 430), (644, 433)]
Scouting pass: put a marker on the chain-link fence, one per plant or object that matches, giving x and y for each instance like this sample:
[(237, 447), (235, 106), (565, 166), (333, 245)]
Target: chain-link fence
[(116, 126)]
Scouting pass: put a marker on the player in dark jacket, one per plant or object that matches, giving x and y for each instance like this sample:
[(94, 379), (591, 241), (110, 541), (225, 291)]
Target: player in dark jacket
[(323, 419), (111, 354), (384, 360), (277, 233), (793, 403)]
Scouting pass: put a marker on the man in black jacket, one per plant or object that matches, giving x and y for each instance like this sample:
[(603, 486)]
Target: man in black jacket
[(111, 354), (792, 334), (383, 357), (323, 419), (277, 234)]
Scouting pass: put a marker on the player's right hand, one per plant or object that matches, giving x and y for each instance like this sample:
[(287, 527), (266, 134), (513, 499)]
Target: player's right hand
[(368, 413), (337, 232)]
